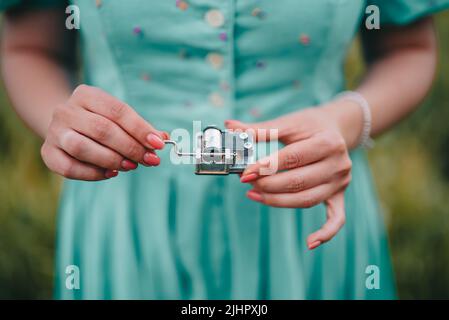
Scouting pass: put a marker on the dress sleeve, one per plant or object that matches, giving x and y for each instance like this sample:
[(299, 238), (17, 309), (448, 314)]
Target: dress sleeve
[(30, 4), (401, 12)]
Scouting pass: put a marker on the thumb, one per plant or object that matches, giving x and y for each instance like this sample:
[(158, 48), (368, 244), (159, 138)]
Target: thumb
[(263, 131)]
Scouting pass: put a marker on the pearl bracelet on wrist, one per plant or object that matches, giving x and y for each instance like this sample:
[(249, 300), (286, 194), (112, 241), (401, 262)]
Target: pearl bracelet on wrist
[(364, 140)]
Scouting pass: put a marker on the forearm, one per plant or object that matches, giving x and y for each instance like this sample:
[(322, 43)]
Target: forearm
[(395, 83), (37, 53), (36, 85)]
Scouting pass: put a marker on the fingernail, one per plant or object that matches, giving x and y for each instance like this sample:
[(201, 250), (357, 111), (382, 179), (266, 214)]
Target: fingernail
[(128, 165), (314, 245), (229, 122), (254, 195), (151, 159), (155, 141), (111, 174), (166, 135), (248, 178)]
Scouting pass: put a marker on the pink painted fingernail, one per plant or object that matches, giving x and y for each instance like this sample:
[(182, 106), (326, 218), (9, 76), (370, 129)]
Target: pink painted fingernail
[(155, 141), (248, 178), (254, 195), (151, 159), (111, 174), (128, 165), (314, 245), (166, 135)]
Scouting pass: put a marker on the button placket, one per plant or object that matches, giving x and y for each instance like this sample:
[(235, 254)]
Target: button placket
[(220, 18)]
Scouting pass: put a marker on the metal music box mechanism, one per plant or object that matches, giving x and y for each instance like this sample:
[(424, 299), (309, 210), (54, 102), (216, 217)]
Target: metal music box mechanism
[(220, 152)]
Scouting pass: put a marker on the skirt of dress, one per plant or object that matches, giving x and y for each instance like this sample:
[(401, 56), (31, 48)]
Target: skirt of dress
[(164, 233)]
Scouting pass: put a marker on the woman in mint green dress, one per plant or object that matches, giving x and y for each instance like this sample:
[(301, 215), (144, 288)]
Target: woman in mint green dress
[(138, 226)]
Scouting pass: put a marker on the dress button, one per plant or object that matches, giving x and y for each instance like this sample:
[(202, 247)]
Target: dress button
[(214, 18), (216, 100), (215, 60)]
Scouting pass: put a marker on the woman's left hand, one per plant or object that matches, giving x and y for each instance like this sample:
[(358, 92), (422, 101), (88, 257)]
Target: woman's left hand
[(312, 168)]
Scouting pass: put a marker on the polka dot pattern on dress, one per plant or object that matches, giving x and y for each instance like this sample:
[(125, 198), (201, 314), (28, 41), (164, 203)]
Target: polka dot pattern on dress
[(216, 100), (224, 86), (137, 30), (304, 39), (146, 77), (259, 13), (255, 112), (182, 5), (223, 36), (215, 19)]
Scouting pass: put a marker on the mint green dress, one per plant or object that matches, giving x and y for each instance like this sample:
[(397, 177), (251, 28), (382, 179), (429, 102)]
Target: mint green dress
[(164, 233)]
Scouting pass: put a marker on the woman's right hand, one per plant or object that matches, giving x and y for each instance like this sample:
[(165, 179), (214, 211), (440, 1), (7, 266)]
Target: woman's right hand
[(94, 135)]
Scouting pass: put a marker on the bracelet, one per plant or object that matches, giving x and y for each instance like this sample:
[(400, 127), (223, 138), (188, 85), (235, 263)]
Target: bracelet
[(365, 140)]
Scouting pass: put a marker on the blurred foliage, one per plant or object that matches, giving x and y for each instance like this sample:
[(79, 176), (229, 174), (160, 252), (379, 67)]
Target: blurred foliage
[(28, 199), (410, 165)]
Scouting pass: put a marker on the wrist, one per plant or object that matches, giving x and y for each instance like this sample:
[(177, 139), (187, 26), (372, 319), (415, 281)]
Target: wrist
[(348, 118)]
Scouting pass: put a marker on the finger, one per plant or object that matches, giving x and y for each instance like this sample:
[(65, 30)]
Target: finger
[(98, 101), (108, 134), (165, 135), (296, 180), (335, 221), (304, 199), (151, 158), (86, 150), (61, 163), (263, 131), (294, 155)]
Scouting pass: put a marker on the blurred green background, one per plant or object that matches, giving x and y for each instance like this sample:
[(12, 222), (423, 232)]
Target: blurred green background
[(410, 165)]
